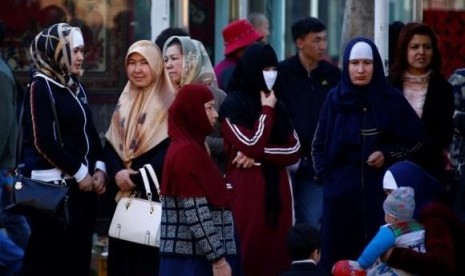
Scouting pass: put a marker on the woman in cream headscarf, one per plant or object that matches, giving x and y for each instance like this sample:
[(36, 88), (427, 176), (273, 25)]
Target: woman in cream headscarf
[(138, 136), (187, 61)]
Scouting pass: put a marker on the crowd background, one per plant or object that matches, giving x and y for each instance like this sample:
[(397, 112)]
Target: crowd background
[(416, 73)]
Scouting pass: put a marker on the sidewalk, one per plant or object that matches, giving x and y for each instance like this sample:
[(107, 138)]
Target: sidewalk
[(98, 266)]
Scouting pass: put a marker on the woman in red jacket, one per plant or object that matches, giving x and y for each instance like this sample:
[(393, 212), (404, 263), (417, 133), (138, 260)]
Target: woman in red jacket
[(259, 143)]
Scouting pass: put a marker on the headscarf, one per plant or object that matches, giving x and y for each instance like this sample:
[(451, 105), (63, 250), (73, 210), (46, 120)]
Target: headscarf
[(196, 65), (243, 104), (188, 170), (392, 112), (51, 51), (243, 107), (406, 173), (349, 94), (139, 121)]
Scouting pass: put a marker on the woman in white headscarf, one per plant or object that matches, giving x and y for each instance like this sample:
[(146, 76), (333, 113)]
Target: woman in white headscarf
[(138, 136), (57, 53)]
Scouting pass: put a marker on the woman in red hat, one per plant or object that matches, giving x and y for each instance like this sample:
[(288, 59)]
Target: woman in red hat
[(236, 36)]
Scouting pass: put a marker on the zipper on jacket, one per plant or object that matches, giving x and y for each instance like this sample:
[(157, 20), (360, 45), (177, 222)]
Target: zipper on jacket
[(75, 96), (363, 163), (309, 75)]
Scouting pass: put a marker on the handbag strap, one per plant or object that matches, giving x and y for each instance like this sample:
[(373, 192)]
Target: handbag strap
[(145, 179), (20, 134), (153, 175), (21, 116), (55, 116)]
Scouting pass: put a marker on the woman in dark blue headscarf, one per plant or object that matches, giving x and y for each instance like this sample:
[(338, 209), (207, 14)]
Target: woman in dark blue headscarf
[(406, 173), (365, 125), (445, 233)]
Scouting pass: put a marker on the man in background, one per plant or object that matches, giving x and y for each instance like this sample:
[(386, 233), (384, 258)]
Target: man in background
[(304, 80), (261, 24)]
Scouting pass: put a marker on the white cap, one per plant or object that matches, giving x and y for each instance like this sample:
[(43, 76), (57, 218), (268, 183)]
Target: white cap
[(361, 50), (76, 38), (388, 181)]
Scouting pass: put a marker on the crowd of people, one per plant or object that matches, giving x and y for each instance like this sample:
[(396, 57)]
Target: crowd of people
[(267, 167)]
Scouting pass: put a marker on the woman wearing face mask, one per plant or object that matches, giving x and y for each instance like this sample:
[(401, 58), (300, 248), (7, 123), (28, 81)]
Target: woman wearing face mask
[(259, 143), (57, 53)]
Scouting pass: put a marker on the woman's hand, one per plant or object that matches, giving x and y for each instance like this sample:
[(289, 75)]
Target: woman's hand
[(243, 161), (221, 268), (86, 184), (99, 182), (268, 99), (123, 179), (385, 257), (376, 159)]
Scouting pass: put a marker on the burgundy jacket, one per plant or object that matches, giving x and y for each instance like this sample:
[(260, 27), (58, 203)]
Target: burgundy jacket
[(441, 225)]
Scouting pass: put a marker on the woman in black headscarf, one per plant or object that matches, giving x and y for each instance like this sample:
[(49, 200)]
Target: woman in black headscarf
[(365, 125), (77, 158), (260, 142)]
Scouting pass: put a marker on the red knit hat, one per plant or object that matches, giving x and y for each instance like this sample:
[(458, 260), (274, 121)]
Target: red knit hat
[(239, 34)]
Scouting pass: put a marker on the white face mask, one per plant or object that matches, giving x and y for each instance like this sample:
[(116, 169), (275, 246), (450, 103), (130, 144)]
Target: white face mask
[(270, 78)]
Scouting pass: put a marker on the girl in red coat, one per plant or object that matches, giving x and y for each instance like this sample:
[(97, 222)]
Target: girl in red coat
[(259, 143)]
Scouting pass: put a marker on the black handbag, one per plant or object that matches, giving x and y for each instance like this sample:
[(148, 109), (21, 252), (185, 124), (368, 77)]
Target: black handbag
[(32, 197)]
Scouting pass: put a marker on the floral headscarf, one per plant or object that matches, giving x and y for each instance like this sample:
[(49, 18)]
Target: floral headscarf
[(139, 121), (196, 65)]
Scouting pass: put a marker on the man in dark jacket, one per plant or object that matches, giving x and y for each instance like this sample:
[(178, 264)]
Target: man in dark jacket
[(303, 83)]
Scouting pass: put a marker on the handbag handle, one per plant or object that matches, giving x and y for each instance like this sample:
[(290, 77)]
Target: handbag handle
[(145, 179), (153, 176)]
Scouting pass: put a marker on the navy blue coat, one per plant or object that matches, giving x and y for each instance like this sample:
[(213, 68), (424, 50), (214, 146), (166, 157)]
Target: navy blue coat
[(356, 121)]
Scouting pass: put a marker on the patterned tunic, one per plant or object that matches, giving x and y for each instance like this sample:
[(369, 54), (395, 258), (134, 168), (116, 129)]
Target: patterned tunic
[(191, 227)]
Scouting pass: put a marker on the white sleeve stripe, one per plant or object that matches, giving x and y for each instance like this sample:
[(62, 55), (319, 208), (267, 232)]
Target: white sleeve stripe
[(288, 150), (243, 138)]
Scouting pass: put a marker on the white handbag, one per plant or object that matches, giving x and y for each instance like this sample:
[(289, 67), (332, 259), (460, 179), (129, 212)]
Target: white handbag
[(136, 219)]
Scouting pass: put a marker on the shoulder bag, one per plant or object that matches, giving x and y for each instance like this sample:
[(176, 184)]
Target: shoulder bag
[(31, 197), (136, 219)]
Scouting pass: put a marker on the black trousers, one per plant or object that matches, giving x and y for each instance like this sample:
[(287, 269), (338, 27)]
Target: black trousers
[(56, 250)]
